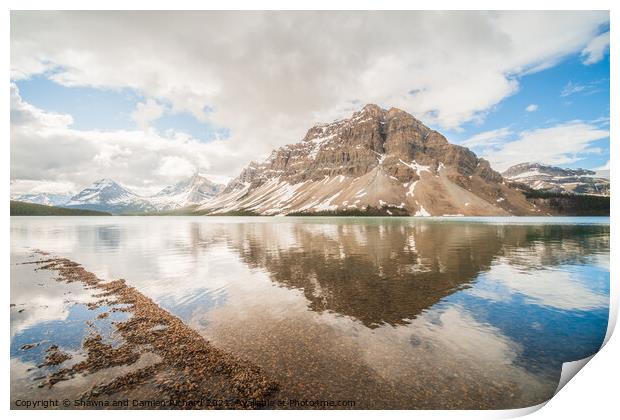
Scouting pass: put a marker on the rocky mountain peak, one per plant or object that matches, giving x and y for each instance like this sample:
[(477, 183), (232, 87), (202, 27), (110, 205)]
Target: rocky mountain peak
[(105, 183), (351, 147), (372, 110), (104, 190), (388, 151), (397, 112)]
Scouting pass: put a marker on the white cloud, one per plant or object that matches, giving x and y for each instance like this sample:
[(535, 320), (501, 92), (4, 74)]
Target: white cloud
[(488, 138), (596, 49), (560, 144), (556, 289), (146, 112), (176, 167), (22, 186), (531, 108), (268, 76), (572, 88), (47, 152)]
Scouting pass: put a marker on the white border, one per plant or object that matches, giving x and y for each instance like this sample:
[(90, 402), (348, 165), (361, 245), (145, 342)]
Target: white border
[(592, 395)]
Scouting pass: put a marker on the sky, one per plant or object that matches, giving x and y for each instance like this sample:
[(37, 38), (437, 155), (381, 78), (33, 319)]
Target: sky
[(149, 98)]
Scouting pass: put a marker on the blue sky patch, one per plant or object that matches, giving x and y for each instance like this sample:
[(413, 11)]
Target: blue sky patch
[(566, 92), (107, 109)]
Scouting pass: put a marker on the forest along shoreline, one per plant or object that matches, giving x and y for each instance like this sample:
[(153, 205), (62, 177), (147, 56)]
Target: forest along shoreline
[(188, 369)]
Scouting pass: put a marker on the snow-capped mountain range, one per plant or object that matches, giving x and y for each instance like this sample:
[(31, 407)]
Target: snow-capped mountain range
[(110, 196), (378, 160), (559, 180), (47, 199)]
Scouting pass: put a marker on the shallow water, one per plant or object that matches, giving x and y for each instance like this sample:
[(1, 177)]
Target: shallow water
[(387, 312)]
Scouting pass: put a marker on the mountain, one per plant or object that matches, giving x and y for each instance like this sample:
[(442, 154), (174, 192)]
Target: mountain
[(46, 199), (108, 196), (378, 160), (557, 180), (192, 191)]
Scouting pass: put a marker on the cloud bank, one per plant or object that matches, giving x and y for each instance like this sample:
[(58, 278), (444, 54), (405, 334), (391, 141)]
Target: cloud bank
[(266, 77), (46, 149), (560, 144)]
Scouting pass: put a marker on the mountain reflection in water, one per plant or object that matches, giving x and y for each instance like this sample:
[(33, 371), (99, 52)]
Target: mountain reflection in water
[(393, 312), (389, 273)]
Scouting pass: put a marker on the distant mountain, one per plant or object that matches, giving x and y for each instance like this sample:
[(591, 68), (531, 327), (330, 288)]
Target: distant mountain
[(557, 180), (376, 162), (192, 191), (46, 199), (109, 196)]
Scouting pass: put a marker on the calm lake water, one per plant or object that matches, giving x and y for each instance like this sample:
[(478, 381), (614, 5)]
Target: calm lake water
[(389, 312)]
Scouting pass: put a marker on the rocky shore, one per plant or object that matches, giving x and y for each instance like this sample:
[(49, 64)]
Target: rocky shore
[(186, 367)]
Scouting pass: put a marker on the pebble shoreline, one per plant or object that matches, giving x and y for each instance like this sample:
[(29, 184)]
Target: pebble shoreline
[(189, 367)]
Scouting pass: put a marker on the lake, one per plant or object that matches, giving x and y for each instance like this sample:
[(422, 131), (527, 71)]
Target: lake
[(387, 312)]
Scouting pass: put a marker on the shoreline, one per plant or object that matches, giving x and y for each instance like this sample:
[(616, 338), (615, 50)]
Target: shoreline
[(186, 368)]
